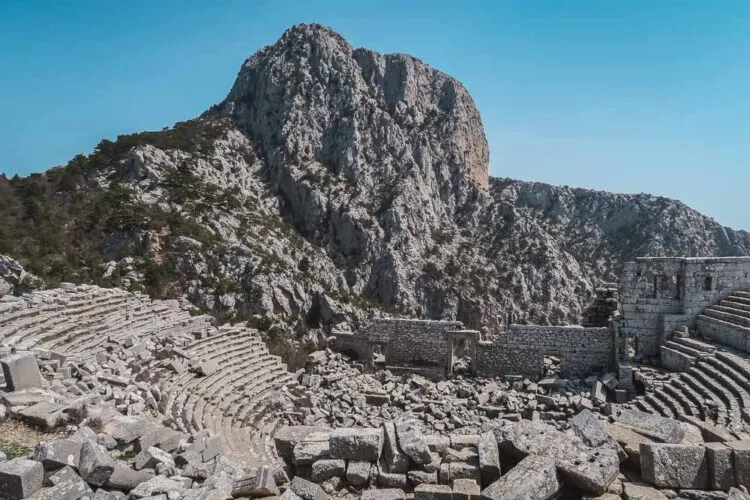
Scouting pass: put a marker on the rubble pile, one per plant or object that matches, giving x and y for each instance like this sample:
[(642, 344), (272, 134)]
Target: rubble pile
[(627, 454), (337, 394)]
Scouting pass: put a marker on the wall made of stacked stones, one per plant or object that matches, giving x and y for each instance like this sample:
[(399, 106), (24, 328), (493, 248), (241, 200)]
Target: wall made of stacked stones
[(520, 350), (657, 293)]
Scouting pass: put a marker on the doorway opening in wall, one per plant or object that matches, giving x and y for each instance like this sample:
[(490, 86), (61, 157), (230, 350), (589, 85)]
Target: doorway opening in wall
[(461, 363), (551, 365)]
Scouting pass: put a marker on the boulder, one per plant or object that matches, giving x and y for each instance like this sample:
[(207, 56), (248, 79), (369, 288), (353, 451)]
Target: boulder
[(665, 430), (307, 489), (533, 477), (394, 460), (96, 464), (358, 472), (489, 458), (257, 483), (411, 440), (674, 465), (356, 444), (57, 454), (593, 432), (20, 478), (433, 492), (323, 470), (21, 371)]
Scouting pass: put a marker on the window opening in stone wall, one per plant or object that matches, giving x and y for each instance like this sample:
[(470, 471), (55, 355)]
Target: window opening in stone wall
[(655, 286), (708, 283), (679, 283)]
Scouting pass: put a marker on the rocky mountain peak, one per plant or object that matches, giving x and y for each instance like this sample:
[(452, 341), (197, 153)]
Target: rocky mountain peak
[(314, 101)]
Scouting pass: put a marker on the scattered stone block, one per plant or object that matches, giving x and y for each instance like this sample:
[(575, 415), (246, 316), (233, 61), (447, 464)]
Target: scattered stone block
[(417, 477), (384, 494), (674, 465), (610, 381), (433, 492), (390, 480), (720, 466), (257, 483), (20, 478), (411, 440), (57, 454), (315, 447), (157, 485), (208, 367), (67, 485), (741, 460), (151, 457), (123, 478), (96, 465), (358, 472), (591, 470), (465, 489), (593, 432), (394, 460), (356, 444), (437, 443), (212, 447), (307, 489), (323, 470), (711, 433), (639, 491), (461, 441), (489, 458), (533, 477), (652, 426), (45, 415), (126, 429), (288, 436), (21, 371)]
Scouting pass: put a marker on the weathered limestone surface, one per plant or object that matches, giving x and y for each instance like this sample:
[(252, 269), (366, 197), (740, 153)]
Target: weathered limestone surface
[(21, 371), (674, 465), (653, 426), (20, 478), (533, 477), (356, 444)]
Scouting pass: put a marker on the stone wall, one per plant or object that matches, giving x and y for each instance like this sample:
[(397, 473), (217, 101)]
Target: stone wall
[(403, 341), (660, 292), (520, 350)]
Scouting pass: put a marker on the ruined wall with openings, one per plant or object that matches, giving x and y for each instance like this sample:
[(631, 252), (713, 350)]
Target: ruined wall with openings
[(658, 294)]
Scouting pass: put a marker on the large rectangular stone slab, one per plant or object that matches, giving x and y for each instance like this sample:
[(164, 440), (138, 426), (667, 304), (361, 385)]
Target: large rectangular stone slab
[(20, 478), (411, 440), (674, 465), (489, 458), (57, 454), (21, 371), (288, 436), (533, 477), (394, 460), (356, 444), (433, 492), (630, 441), (741, 462), (665, 430), (315, 446), (593, 432), (720, 465)]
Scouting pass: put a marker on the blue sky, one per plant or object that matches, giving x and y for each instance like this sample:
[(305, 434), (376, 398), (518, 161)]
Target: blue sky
[(638, 96)]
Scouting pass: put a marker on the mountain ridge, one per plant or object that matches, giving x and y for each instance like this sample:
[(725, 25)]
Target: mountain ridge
[(329, 185)]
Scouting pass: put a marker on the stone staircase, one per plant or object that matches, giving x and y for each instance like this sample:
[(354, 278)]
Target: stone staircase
[(711, 379), (728, 322), (83, 323)]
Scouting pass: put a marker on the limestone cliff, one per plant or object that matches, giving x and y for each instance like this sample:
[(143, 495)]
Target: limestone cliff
[(332, 183)]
